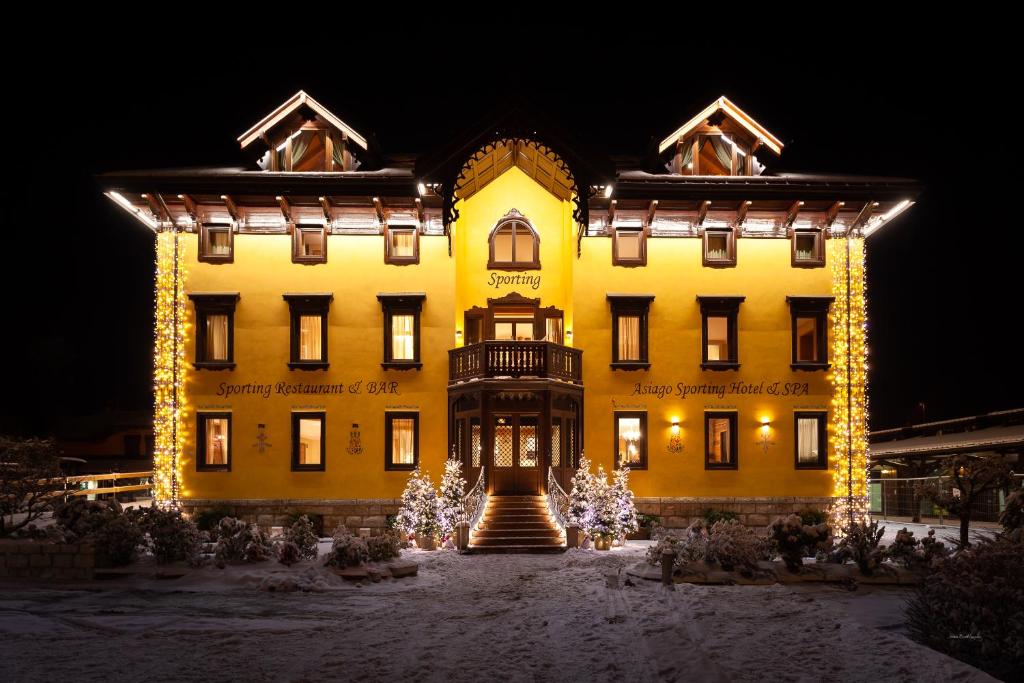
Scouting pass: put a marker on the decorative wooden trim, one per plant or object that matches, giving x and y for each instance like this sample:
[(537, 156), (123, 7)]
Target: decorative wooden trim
[(730, 248), (512, 218), (734, 457), (402, 303), (389, 418), (822, 417), (213, 304), (317, 415), (818, 259), (201, 418), (727, 307), (816, 307), (401, 260), (204, 255), (630, 304), (297, 256), (641, 260), (641, 446), (307, 304)]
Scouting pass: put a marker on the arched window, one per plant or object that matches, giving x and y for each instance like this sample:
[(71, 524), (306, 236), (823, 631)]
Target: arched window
[(514, 244)]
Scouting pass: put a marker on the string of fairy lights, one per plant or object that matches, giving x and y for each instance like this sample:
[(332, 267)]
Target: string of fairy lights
[(848, 440), (168, 368)]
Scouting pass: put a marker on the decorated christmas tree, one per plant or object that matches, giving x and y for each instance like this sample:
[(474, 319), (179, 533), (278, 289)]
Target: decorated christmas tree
[(603, 515), (418, 511), (581, 496), (625, 519), (453, 487)]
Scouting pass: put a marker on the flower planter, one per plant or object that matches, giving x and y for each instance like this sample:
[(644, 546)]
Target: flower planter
[(426, 541), (573, 537), (602, 542)]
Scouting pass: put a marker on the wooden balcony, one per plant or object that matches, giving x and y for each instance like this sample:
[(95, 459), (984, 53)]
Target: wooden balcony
[(515, 359)]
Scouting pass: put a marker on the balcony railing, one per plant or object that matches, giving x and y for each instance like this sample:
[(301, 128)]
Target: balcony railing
[(491, 359)]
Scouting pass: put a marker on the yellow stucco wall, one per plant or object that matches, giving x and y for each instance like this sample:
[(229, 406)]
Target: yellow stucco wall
[(355, 273)]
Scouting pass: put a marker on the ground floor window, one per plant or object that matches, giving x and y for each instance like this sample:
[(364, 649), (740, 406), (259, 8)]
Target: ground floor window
[(309, 440), (213, 442), (401, 441), (720, 440), (811, 444), (631, 439)]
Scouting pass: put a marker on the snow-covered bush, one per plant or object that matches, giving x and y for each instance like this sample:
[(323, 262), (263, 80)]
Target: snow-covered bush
[(795, 539), (626, 519), (240, 541), (1012, 517), (913, 553), (860, 544), (115, 535), (691, 546), (347, 550), (970, 607), (712, 515), (418, 511), (734, 545), (288, 553), (387, 546), (600, 508), (581, 495), (301, 533), (80, 517), (208, 520), (170, 536), (453, 488), (30, 478)]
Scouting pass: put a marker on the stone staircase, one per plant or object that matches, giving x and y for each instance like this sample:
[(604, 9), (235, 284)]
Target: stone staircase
[(517, 524)]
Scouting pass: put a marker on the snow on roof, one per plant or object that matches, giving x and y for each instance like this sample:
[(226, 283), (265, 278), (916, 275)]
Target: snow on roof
[(970, 441), (294, 102)]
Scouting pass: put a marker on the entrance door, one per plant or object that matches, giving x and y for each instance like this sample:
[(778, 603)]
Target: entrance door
[(517, 454)]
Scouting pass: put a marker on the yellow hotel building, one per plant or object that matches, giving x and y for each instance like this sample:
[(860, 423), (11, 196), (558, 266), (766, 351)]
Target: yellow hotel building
[(332, 316)]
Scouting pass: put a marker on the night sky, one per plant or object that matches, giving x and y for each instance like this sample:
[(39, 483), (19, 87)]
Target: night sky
[(944, 278)]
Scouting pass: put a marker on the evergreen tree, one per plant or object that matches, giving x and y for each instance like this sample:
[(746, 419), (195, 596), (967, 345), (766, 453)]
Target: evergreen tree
[(626, 520), (418, 511), (581, 496), (604, 506), (453, 487)]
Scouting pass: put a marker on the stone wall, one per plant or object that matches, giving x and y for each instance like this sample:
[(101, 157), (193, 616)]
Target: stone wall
[(355, 514), (756, 512), (45, 560)]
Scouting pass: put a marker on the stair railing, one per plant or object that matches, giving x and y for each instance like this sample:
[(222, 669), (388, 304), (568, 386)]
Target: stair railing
[(558, 500), (475, 501)]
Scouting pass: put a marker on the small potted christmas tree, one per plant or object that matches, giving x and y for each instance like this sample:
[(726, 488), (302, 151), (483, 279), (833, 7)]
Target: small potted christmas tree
[(418, 513)]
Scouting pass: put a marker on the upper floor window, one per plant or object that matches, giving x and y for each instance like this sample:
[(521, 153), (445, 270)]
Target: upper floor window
[(629, 330), (401, 440), (309, 244), (216, 243), (810, 331), (213, 441), (401, 330), (629, 247), (514, 244), (808, 249), (308, 338), (719, 331), (719, 247), (810, 441), (401, 244), (215, 330)]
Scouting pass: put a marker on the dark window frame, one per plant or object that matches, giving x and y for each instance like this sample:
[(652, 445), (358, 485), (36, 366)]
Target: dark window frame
[(213, 304), (725, 307), (730, 248), (630, 304), (640, 260), (307, 304), (389, 418), (810, 307), (204, 255), (511, 219), (297, 256), (822, 417), (310, 415), (818, 261), (401, 260), (641, 447), (734, 449), (406, 303), (201, 418)]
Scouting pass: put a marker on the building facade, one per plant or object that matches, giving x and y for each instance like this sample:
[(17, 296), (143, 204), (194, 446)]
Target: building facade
[(332, 317)]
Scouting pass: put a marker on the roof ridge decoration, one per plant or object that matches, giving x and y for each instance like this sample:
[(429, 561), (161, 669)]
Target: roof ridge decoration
[(299, 99), (722, 104)]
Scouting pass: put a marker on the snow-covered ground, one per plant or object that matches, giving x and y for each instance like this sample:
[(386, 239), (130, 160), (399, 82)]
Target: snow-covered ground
[(464, 618)]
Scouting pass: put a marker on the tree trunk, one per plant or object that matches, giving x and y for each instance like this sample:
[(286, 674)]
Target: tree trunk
[(916, 502), (965, 525)]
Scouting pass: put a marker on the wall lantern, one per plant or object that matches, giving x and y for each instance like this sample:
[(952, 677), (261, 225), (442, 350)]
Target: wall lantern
[(764, 439), (675, 441)]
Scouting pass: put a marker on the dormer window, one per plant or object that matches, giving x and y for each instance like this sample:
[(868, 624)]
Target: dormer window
[(514, 244), (309, 244)]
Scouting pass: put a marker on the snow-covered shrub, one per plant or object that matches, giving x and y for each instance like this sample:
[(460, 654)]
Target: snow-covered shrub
[(581, 496), (80, 517), (691, 546), (114, 535), (315, 519), (387, 546), (238, 540), (170, 536), (626, 519), (453, 487), (813, 516), (288, 553), (733, 545), (30, 479), (712, 515), (418, 511), (860, 544), (913, 553), (970, 607), (347, 550), (795, 539), (301, 533), (1012, 517), (208, 520)]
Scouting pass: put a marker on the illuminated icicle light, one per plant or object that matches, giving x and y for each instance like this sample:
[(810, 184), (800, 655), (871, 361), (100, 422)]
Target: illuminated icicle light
[(168, 368), (848, 440)]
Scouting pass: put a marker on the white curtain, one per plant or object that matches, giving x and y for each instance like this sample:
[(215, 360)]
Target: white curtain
[(217, 337), (220, 242), (402, 441), (553, 330), (310, 337), (402, 338), (402, 243), (807, 440), (629, 337), (216, 441)]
